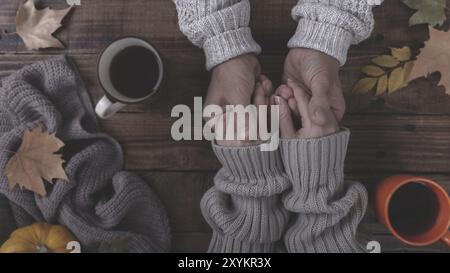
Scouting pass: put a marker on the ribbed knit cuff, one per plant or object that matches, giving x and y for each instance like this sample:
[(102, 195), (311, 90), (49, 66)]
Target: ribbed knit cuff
[(315, 157), (221, 48), (221, 243), (327, 38), (248, 171)]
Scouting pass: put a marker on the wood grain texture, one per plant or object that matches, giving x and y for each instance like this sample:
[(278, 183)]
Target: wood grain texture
[(407, 131), (197, 242), (181, 193), (379, 143), (95, 24), (186, 78)]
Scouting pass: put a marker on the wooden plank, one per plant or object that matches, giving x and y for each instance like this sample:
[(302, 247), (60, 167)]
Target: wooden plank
[(186, 79), (391, 244), (197, 242), (181, 193), (383, 143), (379, 143), (190, 242), (93, 25)]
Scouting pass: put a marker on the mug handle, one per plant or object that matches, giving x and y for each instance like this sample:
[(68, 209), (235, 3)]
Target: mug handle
[(446, 238), (106, 108)]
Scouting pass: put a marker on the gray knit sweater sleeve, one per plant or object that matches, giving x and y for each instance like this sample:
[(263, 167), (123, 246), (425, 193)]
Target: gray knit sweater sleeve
[(244, 207), (220, 27), (331, 26), (326, 209)]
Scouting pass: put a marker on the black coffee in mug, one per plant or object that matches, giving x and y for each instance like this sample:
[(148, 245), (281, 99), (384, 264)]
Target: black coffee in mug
[(413, 209), (130, 70), (134, 71)]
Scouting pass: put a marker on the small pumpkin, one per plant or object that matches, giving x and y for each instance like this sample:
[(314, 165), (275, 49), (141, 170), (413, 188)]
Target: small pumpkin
[(38, 238)]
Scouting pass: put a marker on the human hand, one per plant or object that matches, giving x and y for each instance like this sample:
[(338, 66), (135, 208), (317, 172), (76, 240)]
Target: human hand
[(319, 73), (233, 82), (323, 124), (261, 96)]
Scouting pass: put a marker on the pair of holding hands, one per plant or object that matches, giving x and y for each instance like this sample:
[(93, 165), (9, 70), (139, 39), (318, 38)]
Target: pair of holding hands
[(311, 102)]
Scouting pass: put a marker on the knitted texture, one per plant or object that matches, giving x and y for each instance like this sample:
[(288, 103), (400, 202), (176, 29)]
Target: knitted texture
[(220, 27), (244, 207), (331, 26), (327, 210), (100, 202), (292, 200)]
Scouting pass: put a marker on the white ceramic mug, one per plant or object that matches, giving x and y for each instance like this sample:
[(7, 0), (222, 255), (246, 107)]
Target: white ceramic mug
[(113, 100)]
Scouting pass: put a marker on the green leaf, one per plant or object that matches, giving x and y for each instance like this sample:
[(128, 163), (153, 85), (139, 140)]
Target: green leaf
[(402, 54), (372, 71), (387, 61), (364, 85), (430, 12)]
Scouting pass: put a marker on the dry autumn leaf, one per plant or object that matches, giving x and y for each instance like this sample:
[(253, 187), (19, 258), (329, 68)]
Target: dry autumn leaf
[(388, 71), (408, 69), (36, 160), (372, 71), (435, 56), (382, 85), (35, 27), (386, 61), (396, 79), (365, 85), (401, 54)]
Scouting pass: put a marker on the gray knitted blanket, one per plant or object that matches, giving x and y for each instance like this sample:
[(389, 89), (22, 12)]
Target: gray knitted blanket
[(101, 203)]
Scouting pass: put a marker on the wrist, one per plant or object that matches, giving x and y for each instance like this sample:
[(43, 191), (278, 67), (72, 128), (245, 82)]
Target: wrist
[(329, 39), (228, 46), (248, 61), (304, 54)]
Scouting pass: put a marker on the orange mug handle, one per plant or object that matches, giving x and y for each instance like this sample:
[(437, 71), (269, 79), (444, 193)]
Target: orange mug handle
[(446, 238)]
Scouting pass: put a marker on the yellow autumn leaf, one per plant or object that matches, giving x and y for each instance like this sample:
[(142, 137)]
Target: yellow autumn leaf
[(408, 68), (364, 85), (396, 79), (401, 54), (382, 85), (372, 71), (387, 61), (36, 161)]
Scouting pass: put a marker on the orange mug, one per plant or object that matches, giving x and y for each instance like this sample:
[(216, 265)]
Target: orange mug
[(416, 210)]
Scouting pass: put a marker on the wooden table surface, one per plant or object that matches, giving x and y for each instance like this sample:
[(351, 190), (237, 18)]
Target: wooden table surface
[(406, 132)]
